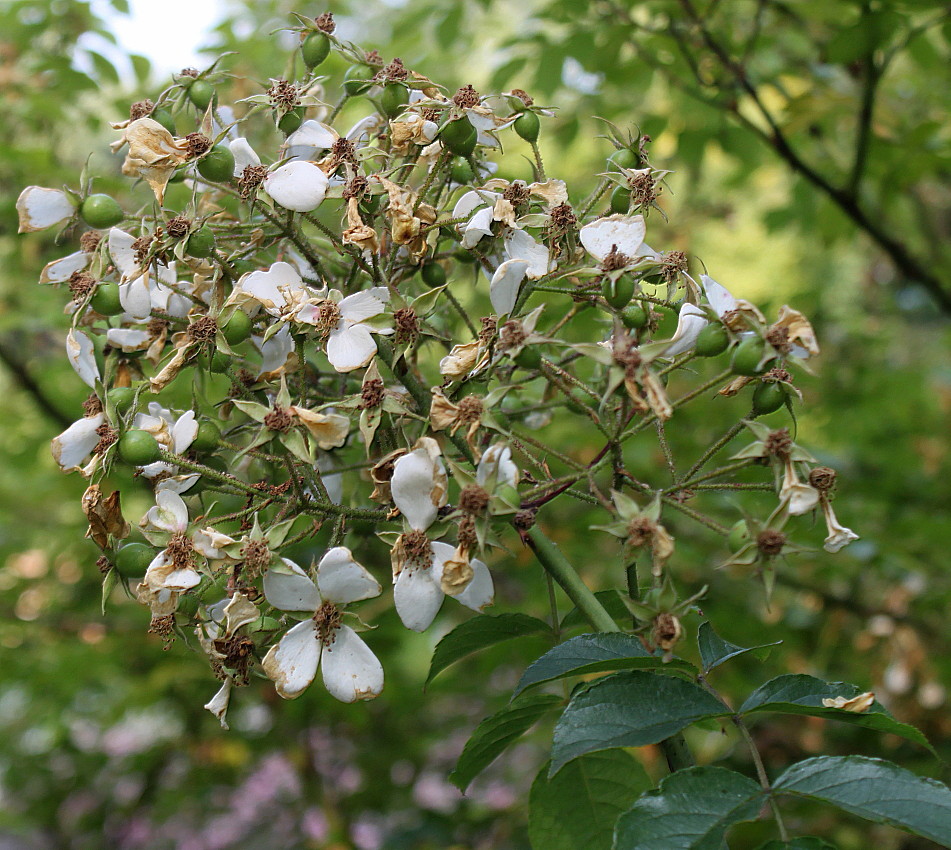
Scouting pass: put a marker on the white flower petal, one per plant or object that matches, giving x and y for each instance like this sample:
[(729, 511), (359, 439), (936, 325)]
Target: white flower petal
[(519, 245), (497, 466), (184, 432), (218, 704), (719, 297), (136, 299), (169, 512), (294, 592), (312, 134), (298, 186), (82, 356), (123, 254), (350, 669), (503, 290), (362, 129), (417, 597), (77, 442), (60, 270), (689, 324), (243, 154), (128, 339), (292, 662), (265, 287), (626, 232), (472, 200), (414, 484), (350, 348), (40, 208), (480, 592), (341, 579), (839, 536), (276, 351), (479, 225), (364, 305)]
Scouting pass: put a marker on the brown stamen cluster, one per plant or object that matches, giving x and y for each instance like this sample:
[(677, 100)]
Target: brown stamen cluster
[(512, 335), (466, 97), (180, 549), (666, 631), (279, 419), (406, 325), (778, 337), (81, 284), (238, 655), (92, 406), (516, 193), (252, 177), (141, 247), (141, 109), (523, 96), (675, 263), (429, 113), (327, 618), (164, 627), (196, 144), (188, 72), (778, 443), (356, 187), (777, 375), (614, 260), (371, 395), (489, 325), (203, 329), (107, 436), (343, 150), (473, 500), (640, 531), (327, 318), (822, 478), (102, 564), (372, 57), (470, 409), (256, 557), (284, 96), (524, 519), (395, 72), (417, 549), (156, 327), (770, 542), (467, 537), (178, 227), (563, 218), (89, 241), (325, 23), (643, 188)]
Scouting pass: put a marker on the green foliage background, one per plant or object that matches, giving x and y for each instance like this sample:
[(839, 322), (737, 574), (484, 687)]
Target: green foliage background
[(103, 741)]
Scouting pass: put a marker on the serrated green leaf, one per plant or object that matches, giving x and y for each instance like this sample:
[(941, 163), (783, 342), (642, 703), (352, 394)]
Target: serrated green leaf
[(801, 694), (629, 709), (494, 735), (876, 790), (594, 653), (479, 633), (579, 807), (692, 810), (714, 650)]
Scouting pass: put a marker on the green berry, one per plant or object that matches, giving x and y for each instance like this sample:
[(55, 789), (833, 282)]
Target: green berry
[(712, 340), (133, 559), (529, 357), (201, 93), (461, 171), (433, 274), (101, 211), (618, 293), (291, 121), (459, 137), (165, 118), (620, 199), (201, 243), (138, 448), (217, 165), (207, 438), (527, 126), (624, 158), (314, 49), (393, 99), (739, 535), (238, 328), (356, 80), (768, 397), (635, 316), (105, 300), (748, 357), (121, 398)]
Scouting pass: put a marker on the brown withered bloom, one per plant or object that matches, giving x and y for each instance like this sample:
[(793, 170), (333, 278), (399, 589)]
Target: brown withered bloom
[(279, 419), (466, 97), (770, 542), (823, 479), (284, 96), (178, 227), (81, 284), (89, 241), (325, 23), (140, 109), (196, 144), (614, 260), (202, 329), (252, 177)]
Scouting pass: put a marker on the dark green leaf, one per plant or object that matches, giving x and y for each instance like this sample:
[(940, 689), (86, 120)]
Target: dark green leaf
[(876, 790), (612, 601), (804, 843), (692, 810), (629, 709), (594, 653), (478, 633), (801, 694), (579, 807), (714, 650), (494, 734)]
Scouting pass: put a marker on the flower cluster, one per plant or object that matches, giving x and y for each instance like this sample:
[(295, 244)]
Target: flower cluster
[(302, 325)]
